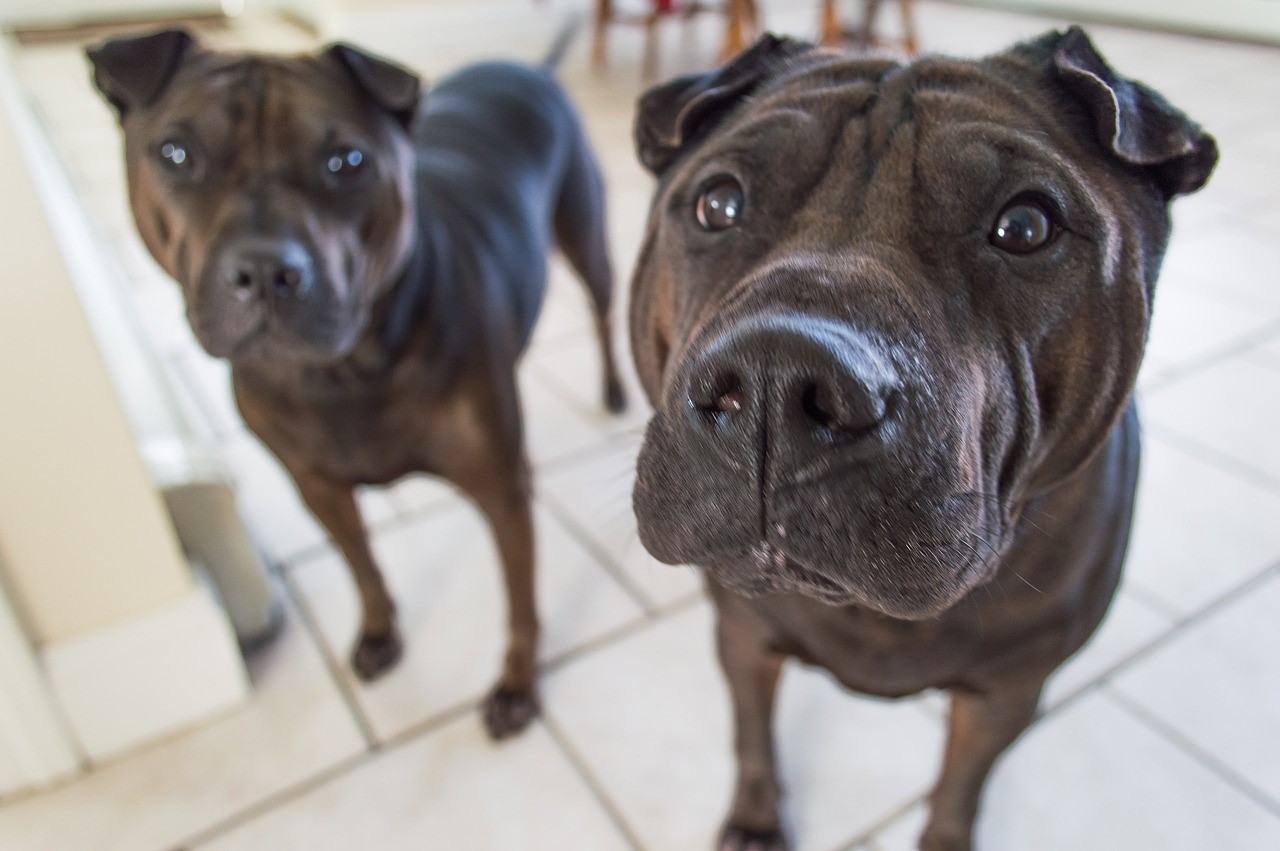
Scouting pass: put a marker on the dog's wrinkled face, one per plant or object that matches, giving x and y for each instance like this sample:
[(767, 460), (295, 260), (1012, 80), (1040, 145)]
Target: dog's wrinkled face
[(276, 190), (878, 307)]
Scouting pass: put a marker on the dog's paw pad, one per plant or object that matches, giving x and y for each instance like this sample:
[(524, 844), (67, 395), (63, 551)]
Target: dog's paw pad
[(735, 838), (615, 397), (374, 655), (507, 711)]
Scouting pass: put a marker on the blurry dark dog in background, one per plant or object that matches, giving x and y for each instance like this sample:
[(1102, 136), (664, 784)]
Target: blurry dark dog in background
[(371, 262), (890, 318)]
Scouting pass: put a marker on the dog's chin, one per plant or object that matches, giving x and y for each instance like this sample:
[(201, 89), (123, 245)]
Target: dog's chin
[(765, 569), (267, 345)]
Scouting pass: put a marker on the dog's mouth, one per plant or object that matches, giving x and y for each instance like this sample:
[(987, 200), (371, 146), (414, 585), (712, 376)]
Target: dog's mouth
[(765, 569)]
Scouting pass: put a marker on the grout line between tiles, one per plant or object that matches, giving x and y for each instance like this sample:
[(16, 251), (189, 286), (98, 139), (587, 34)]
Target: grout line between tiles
[(615, 570), (1196, 752), (1203, 451), (593, 784), (1234, 348), (1178, 629), (336, 671)]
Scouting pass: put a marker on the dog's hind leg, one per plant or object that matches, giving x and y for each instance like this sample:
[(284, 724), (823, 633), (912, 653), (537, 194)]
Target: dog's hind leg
[(581, 235), (980, 727), (333, 503)]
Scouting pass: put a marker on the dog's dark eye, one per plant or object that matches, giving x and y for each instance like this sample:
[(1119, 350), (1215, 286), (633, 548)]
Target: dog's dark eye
[(174, 154), (1023, 226), (720, 204), (345, 162)]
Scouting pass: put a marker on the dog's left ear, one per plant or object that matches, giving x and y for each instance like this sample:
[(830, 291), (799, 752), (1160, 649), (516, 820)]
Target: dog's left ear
[(1133, 121), (132, 71), (674, 114), (393, 87)]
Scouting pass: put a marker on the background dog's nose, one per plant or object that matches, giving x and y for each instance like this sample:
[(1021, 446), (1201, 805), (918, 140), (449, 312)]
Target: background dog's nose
[(796, 377), (268, 268)]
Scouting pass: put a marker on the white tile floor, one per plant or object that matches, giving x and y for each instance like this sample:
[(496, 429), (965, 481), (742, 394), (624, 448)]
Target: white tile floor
[(1163, 734)]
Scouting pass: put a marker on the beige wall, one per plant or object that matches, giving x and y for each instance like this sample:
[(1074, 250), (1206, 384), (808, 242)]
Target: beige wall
[(84, 540)]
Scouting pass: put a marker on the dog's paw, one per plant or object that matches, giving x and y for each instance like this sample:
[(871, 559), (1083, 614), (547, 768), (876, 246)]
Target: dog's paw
[(615, 396), (736, 838), (938, 839), (374, 655), (508, 711)]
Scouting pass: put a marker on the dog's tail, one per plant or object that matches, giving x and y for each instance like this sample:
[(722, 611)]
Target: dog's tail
[(563, 41)]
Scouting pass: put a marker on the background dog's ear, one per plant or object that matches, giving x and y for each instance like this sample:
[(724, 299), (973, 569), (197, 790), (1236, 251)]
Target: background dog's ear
[(673, 114), (1133, 121), (393, 87), (133, 70)]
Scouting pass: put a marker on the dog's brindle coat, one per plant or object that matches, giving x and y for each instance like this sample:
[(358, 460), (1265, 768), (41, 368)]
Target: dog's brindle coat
[(371, 263), (890, 318)]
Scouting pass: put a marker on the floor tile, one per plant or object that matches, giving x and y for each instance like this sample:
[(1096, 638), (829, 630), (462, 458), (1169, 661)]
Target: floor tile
[(451, 789), (1228, 261), (576, 371), (1199, 532), (1232, 407), (442, 571), (594, 495), (649, 717), (1093, 777), (296, 726), (1218, 684), (1187, 327), (1130, 626)]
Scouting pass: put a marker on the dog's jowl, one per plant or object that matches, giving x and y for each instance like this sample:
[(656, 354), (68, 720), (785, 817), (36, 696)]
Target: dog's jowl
[(371, 262), (890, 318)]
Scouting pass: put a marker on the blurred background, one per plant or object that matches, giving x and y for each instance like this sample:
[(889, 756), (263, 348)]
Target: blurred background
[(174, 626)]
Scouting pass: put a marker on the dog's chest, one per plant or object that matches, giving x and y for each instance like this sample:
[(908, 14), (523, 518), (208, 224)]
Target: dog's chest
[(871, 653), (370, 433)]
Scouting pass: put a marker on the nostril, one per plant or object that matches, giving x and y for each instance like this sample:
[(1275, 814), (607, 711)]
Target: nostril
[(287, 281), (721, 394), (854, 416)]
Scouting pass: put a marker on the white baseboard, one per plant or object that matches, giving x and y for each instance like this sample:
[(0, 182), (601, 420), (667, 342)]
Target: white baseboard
[(133, 682), (35, 748)]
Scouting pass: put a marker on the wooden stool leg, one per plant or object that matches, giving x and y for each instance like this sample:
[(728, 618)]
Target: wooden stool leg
[(649, 70), (604, 17), (830, 32), (909, 41), (867, 32), (735, 40)]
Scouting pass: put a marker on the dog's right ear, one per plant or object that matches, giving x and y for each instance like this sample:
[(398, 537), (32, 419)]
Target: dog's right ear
[(674, 114), (132, 71)]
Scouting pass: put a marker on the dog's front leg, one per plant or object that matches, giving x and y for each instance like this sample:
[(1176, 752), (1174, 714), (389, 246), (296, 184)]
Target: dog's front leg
[(752, 670), (503, 494), (980, 727), (333, 503)]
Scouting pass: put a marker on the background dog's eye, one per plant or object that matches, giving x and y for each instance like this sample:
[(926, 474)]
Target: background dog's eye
[(345, 162), (1023, 226), (720, 204), (174, 154)]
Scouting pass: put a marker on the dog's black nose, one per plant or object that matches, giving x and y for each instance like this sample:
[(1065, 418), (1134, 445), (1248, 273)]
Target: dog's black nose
[(791, 380), (257, 268)]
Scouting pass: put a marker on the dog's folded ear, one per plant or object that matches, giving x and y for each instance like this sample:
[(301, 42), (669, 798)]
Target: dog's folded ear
[(133, 70), (1134, 122), (675, 113), (393, 87)]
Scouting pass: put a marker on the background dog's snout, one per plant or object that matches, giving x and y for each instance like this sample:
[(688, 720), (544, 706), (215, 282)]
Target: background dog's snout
[(803, 375), (259, 268)]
